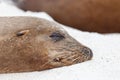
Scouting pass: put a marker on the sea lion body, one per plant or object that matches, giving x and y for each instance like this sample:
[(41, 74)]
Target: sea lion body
[(34, 44), (101, 16)]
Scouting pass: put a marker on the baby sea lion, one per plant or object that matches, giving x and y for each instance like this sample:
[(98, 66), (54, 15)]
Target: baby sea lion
[(34, 44)]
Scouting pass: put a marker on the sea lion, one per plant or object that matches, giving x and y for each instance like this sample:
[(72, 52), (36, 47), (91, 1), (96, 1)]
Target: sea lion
[(101, 16), (35, 44)]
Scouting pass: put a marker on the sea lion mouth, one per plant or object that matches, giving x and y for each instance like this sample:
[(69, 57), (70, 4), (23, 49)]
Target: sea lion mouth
[(65, 59), (73, 58)]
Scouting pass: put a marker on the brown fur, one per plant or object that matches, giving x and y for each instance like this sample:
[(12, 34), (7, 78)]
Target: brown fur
[(26, 45), (89, 15)]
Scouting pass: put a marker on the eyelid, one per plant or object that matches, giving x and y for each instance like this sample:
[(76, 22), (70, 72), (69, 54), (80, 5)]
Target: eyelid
[(56, 36)]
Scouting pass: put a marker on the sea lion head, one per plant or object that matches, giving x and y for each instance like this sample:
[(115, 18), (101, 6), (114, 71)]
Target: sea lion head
[(32, 44), (64, 50)]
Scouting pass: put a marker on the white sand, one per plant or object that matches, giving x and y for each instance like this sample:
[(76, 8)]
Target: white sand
[(105, 64)]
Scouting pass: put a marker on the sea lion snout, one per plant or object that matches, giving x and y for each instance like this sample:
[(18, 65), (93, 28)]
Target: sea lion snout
[(72, 56), (88, 52), (68, 51)]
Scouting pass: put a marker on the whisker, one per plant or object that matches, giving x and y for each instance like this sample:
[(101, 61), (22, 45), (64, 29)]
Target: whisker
[(77, 59), (45, 63), (71, 57)]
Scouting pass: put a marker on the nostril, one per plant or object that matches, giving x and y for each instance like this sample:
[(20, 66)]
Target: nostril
[(87, 52)]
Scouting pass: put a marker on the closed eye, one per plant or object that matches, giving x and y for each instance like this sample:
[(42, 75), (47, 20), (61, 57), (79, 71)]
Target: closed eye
[(56, 36)]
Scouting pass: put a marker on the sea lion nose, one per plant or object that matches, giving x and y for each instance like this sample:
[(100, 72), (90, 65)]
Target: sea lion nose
[(88, 52)]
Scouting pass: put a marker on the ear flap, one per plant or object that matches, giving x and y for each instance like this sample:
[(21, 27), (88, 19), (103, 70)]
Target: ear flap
[(21, 33)]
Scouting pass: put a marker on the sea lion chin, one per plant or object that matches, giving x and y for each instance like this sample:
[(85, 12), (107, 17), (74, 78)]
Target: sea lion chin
[(34, 44)]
